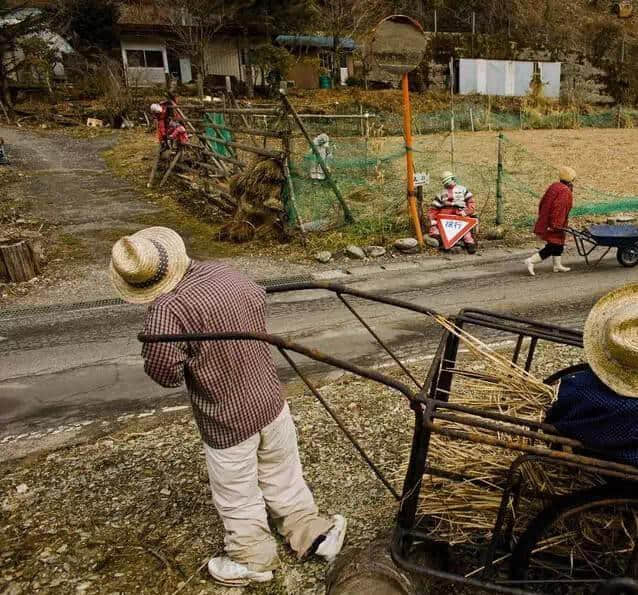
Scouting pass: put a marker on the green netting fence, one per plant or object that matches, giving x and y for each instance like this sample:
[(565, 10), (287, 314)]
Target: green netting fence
[(370, 173), (526, 176)]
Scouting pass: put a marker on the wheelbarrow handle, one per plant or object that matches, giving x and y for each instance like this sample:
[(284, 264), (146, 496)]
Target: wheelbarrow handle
[(575, 233)]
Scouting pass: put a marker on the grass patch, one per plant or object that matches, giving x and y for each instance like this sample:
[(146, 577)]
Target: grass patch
[(132, 159), (69, 247)]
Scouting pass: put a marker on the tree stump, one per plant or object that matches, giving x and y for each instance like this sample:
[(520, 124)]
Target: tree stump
[(19, 260), (371, 570), (368, 570)]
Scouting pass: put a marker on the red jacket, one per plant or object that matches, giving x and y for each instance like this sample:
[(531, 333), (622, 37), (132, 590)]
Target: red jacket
[(553, 213)]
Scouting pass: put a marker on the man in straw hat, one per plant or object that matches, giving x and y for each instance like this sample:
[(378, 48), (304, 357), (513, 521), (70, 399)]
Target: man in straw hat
[(249, 437), (599, 406), (553, 215)]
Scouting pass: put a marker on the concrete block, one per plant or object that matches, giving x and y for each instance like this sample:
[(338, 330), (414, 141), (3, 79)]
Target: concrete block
[(372, 269), (329, 275), (400, 266)]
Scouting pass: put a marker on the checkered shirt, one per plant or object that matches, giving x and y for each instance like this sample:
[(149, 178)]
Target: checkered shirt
[(233, 385)]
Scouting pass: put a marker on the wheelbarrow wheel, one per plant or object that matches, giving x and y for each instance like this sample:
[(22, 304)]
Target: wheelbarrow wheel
[(627, 256), (574, 525)]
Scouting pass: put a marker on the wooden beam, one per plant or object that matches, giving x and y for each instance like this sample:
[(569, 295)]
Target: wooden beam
[(291, 193), (155, 166), (233, 102), (253, 131), (244, 111), (242, 147), (219, 156), (183, 116), (221, 202), (215, 173), (171, 167)]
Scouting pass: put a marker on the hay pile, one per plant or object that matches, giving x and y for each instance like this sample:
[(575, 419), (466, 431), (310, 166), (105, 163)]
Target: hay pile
[(462, 512), (258, 192)]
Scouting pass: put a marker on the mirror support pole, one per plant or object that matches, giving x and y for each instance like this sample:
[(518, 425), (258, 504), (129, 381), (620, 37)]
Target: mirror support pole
[(409, 158)]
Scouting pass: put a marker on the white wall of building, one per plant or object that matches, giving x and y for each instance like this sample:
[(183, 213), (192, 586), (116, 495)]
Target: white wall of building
[(145, 62), (506, 77)]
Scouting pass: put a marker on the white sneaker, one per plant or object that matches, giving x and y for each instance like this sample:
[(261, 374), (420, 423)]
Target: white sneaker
[(332, 544), (233, 574)]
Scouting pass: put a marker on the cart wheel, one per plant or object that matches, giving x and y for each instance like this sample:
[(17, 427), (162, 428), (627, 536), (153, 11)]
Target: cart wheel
[(588, 535), (628, 255)]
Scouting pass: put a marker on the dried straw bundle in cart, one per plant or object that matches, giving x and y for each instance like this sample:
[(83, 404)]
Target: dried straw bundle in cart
[(465, 511)]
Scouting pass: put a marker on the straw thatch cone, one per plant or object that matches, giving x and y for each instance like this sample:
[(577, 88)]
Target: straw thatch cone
[(258, 192)]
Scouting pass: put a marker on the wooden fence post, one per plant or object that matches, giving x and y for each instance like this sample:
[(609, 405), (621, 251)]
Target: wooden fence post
[(499, 182)]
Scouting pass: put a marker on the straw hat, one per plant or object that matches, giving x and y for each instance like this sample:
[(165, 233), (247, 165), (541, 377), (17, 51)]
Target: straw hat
[(567, 174), (611, 340), (148, 264)]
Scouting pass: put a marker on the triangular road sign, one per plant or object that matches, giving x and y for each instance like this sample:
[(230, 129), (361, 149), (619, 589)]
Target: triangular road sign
[(453, 227)]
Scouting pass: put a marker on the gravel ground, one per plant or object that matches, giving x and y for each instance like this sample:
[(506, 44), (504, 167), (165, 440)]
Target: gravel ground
[(130, 510)]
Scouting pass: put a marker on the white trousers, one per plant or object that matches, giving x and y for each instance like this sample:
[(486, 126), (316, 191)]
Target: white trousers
[(264, 473)]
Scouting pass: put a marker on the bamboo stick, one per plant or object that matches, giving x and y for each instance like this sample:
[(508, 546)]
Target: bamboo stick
[(177, 157), (242, 147)]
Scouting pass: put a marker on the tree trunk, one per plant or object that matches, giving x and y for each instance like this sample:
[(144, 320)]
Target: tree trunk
[(19, 261), (368, 570), (5, 95), (250, 81), (200, 85), (371, 570)]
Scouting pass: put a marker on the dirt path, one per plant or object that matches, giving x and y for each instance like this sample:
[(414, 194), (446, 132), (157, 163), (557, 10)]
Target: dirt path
[(65, 184), (71, 187)]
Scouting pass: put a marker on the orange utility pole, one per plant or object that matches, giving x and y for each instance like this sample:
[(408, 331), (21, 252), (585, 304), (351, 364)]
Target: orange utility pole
[(409, 158)]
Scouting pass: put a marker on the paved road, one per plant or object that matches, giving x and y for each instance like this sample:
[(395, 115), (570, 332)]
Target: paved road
[(66, 365)]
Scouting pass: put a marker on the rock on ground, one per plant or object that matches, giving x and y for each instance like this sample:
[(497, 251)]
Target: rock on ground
[(375, 251), (323, 256), (406, 245), (355, 252)]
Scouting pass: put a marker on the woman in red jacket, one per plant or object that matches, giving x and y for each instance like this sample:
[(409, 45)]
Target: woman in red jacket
[(553, 214)]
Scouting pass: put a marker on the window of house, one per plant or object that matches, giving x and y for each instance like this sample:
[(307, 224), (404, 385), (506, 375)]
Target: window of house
[(135, 58), (154, 59), (145, 58)]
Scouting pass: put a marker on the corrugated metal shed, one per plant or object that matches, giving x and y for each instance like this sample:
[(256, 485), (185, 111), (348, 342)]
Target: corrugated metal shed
[(506, 77), (315, 41), (222, 57)]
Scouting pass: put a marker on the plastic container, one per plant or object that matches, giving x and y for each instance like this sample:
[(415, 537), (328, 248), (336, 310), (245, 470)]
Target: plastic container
[(325, 82)]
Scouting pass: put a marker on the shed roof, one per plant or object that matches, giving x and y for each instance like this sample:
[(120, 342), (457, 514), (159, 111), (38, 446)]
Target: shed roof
[(316, 41)]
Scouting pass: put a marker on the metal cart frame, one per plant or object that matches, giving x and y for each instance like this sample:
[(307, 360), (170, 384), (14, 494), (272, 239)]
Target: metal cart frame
[(429, 403)]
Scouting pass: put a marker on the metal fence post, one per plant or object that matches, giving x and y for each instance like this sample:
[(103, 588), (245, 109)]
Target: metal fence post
[(499, 182)]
